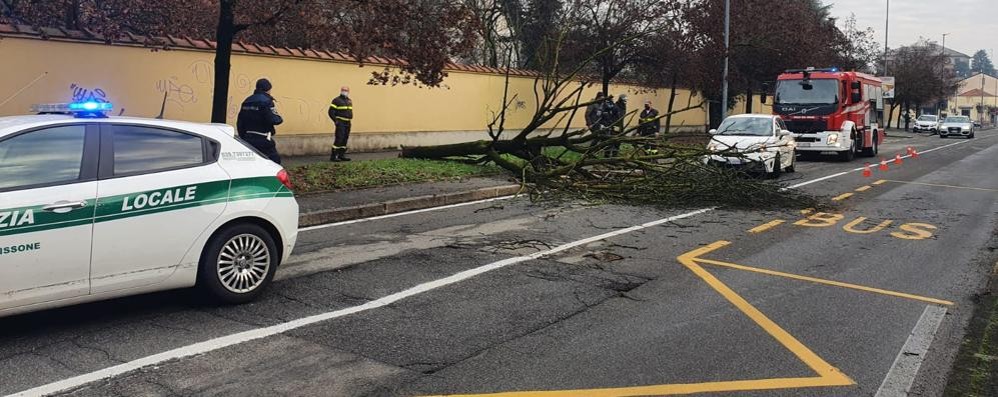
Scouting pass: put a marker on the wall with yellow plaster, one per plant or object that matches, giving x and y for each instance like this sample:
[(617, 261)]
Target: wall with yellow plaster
[(136, 79)]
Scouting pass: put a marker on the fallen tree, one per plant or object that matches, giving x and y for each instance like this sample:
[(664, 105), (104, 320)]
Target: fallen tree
[(552, 159)]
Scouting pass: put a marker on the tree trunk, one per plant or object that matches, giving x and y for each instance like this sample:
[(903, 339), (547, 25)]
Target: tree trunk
[(606, 83), (72, 16), (672, 101), (224, 35), (907, 118), (748, 99)]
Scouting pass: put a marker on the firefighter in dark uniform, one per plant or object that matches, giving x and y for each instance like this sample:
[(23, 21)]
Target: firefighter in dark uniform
[(341, 112), (256, 121), (649, 125)]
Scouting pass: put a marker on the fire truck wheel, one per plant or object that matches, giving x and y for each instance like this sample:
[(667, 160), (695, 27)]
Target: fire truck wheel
[(872, 151), (848, 155)]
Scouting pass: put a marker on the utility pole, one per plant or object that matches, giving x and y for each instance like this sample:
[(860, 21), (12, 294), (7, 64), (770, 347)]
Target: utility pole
[(727, 46), (980, 113)]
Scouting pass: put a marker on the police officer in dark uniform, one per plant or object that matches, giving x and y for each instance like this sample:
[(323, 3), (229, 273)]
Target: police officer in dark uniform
[(341, 112), (256, 121)]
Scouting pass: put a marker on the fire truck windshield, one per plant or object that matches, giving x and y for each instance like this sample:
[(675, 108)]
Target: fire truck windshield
[(822, 92)]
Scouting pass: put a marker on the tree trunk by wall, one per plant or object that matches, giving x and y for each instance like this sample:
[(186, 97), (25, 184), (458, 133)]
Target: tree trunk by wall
[(748, 100), (224, 35), (672, 101)]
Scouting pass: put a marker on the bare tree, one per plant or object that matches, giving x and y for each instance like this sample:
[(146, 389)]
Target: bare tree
[(921, 76), (553, 159)]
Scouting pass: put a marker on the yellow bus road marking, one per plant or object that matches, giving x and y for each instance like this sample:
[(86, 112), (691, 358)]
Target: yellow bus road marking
[(766, 226), (819, 365), (864, 188), (880, 182), (948, 186), (676, 389), (842, 196), (827, 282), (828, 375)]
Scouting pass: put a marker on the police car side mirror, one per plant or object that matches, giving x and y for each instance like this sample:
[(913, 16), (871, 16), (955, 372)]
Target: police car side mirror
[(713, 131)]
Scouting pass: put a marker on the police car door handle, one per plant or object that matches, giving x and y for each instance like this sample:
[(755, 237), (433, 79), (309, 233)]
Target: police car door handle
[(63, 207)]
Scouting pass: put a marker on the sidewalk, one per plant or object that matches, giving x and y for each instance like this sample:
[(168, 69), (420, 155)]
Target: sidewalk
[(322, 208), (344, 205)]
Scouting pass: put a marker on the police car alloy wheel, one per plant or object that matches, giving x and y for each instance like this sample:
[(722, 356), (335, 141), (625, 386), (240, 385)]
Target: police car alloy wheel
[(238, 263)]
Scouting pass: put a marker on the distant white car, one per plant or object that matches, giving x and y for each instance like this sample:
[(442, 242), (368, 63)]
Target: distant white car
[(755, 142), (927, 123), (95, 207), (956, 126)]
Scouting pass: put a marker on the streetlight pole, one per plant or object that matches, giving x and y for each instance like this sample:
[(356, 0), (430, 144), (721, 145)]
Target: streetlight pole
[(944, 70), (727, 45), (887, 30)]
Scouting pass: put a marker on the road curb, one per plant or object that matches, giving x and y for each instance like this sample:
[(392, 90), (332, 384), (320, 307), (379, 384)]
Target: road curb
[(402, 205)]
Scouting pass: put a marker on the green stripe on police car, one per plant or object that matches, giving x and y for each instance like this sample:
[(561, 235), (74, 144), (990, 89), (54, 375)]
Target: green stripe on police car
[(33, 219)]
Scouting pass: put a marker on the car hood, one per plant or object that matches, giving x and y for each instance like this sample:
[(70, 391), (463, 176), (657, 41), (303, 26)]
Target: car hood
[(725, 142), (926, 122), (962, 125)]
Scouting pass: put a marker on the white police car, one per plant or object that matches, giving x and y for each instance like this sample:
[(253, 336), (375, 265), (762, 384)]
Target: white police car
[(95, 207)]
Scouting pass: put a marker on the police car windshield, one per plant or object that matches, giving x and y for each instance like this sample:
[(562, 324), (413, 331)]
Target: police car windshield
[(927, 118), (747, 126), (821, 92)]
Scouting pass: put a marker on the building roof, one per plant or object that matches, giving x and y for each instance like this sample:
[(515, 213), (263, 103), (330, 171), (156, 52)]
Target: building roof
[(239, 47), (951, 52), (976, 93)]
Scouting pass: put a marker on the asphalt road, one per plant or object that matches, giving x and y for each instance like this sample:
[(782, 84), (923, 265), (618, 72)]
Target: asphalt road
[(572, 300)]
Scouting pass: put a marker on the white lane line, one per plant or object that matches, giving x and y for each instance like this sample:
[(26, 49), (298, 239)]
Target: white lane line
[(246, 336), (242, 337), (902, 374), (374, 218)]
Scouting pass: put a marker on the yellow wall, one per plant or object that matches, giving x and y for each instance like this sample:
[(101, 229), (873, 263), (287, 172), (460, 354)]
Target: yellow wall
[(135, 79)]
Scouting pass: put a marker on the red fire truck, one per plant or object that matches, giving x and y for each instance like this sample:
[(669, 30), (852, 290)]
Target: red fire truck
[(831, 111)]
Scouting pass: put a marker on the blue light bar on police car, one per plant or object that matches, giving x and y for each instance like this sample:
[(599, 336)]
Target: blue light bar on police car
[(89, 106), (79, 109)]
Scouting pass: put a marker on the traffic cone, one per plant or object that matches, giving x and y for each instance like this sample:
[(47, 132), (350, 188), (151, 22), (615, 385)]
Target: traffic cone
[(883, 165), (898, 160), (867, 172), (913, 152)]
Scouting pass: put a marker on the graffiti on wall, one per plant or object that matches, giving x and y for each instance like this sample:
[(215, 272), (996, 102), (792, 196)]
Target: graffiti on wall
[(176, 92), (84, 94)]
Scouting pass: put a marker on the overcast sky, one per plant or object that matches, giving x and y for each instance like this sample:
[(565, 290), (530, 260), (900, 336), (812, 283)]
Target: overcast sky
[(972, 24)]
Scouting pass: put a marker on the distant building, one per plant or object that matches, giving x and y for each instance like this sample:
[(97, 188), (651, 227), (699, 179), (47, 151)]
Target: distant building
[(957, 61), (977, 97)]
